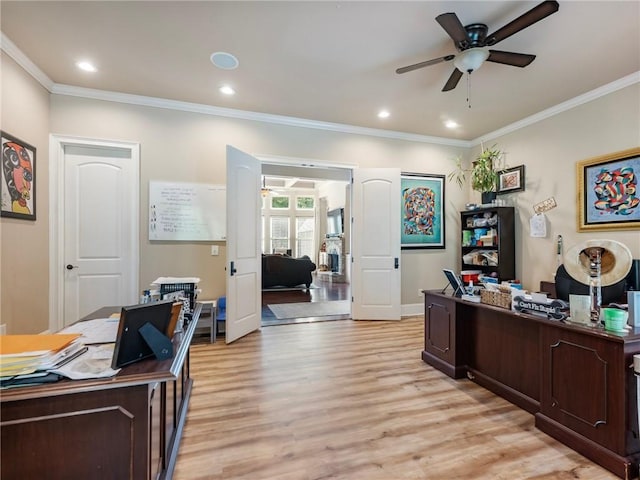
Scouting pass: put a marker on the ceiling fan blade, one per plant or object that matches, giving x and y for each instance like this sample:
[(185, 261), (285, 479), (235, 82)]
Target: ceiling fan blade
[(534, 15), (510, 58), (416, 66), (451, 24), (455, 77)]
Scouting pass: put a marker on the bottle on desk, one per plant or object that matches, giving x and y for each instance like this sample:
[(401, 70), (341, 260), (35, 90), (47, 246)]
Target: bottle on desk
[(145, 297)]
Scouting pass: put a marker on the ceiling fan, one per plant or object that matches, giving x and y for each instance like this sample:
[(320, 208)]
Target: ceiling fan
[(472, 43), (265, 191)]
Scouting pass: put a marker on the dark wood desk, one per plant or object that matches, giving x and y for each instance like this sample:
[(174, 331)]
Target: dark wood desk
[(125, 427), (577, 381)]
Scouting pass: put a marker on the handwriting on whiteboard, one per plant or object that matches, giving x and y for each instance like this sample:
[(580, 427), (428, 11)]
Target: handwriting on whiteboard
[(186, 211)]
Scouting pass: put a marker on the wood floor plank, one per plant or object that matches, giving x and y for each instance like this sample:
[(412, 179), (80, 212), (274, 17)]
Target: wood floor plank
[(353, 400)]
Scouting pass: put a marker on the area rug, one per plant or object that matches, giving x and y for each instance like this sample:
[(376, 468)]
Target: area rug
[(311, 309)]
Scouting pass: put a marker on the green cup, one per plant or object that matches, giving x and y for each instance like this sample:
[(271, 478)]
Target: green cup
[(614, 319)]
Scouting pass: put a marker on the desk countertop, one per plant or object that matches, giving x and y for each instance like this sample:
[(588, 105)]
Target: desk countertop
[(632, 335)]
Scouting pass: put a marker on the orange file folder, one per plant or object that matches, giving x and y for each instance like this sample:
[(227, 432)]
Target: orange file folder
[(34, 344)]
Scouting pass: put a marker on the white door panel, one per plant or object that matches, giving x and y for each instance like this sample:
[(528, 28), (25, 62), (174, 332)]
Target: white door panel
[(244, 260), (100, 232), (376, 244)]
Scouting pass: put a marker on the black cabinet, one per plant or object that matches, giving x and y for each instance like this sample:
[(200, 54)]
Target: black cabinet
[(488, 241)]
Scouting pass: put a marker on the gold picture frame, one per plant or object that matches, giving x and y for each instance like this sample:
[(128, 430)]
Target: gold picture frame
[(608, 193)]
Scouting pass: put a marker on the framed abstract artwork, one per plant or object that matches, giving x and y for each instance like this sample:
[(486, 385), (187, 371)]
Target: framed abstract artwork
[(422, 212), (18, 187), (608, 197)]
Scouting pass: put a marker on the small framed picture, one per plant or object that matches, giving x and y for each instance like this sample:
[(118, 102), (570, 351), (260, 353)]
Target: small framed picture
[(511, 180), (18, 182)]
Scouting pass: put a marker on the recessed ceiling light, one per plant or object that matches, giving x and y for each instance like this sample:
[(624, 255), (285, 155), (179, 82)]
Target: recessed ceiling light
[(86, 66), (227, 90), (224, 60), (383, 114), (451, 124)]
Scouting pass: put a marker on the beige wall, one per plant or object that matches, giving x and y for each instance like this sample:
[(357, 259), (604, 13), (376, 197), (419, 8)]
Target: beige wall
[(182, 146), (549, 150), (24, 244)]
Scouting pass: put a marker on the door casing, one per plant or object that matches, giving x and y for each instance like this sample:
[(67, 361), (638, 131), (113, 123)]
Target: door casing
[(57, 145)]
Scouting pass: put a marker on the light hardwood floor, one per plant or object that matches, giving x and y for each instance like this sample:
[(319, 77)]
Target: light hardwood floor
[(353, 400)]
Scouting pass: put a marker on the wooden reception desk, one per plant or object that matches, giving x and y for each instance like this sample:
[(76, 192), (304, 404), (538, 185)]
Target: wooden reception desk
[(124, 427), (577, 381)]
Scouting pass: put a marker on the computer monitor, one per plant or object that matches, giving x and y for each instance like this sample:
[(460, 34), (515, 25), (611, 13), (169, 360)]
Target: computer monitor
[(455, 282), (566, 285), (142, 333)]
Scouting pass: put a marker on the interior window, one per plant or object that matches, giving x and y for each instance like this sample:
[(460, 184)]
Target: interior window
[(279, 234), (279, 202)]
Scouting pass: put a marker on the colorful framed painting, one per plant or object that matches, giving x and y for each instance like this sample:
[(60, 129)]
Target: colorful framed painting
[(511, 180), (608, 197), (18, 187), (422, 211)]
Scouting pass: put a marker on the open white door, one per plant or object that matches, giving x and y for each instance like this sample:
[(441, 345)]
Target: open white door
[(244, 266), (376, 244)]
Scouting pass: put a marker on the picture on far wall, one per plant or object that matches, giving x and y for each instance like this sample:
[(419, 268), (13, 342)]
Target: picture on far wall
[(17, 185), (422, 211), (608, 197), (511, 180)]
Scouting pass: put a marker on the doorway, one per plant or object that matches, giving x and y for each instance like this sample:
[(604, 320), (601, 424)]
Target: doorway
[(329, 295)]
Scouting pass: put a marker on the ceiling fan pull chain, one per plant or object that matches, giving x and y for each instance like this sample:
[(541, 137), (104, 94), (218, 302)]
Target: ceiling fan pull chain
[(469, 89)]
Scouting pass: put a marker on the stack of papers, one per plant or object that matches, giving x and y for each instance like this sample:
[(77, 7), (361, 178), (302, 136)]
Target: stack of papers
[(99, 330), (34, 359), (165, 280), (24, 354)]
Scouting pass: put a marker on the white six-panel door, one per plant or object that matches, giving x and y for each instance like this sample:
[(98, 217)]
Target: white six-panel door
[(376, 244)]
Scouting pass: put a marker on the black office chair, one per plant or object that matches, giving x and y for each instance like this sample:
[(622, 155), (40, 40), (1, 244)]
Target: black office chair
[(566, 285)]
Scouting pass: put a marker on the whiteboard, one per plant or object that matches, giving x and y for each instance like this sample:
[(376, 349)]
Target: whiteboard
[(187, 211)]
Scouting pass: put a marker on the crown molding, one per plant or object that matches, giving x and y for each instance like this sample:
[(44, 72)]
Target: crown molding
[(21, 59), (14, 52), (141, 100), (616, 85)]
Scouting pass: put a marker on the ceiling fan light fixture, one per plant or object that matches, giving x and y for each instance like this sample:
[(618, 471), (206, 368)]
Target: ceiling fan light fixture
[(470, 60)]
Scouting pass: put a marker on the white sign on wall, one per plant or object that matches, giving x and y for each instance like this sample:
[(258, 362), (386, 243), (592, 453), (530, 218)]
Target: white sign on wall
[(187, 211)]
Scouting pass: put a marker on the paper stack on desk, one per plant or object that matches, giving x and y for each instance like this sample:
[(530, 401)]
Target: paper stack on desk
[(24, 354)]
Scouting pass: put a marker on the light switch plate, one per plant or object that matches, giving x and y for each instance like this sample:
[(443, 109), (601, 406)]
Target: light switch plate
[(214, 250)]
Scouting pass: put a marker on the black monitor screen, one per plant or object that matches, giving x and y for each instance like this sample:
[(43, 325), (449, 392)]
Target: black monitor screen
[(130, 345), (566, 285)]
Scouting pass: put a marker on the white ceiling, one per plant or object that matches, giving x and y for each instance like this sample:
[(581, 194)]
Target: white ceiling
[(330, 61)]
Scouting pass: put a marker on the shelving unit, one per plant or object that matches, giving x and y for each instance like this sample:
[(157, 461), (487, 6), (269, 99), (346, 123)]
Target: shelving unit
[(502, 241)]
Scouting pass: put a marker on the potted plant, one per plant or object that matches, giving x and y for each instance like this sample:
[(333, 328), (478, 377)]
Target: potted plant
[(483, 173)]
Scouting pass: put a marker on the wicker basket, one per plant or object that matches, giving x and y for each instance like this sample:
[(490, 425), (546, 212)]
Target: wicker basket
[(498, 299)]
